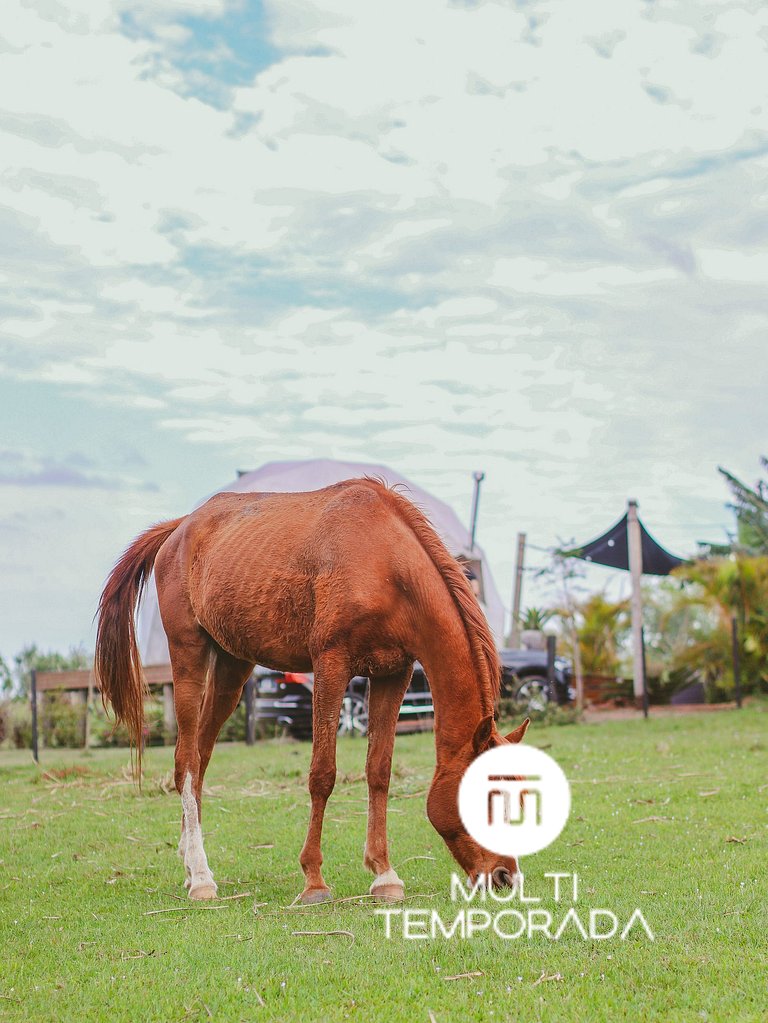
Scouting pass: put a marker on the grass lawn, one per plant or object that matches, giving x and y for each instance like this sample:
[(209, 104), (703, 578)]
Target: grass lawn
[(670, 816)]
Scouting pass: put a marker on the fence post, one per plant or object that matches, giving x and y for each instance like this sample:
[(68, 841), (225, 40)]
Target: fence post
[(250, 711), (33, 699)]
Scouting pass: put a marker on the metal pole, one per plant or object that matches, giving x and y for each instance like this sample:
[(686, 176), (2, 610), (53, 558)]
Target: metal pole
[(250, 711), (551, 681), (514, 632), (736, 659), (635, 544), (33, 699), (478, 477)]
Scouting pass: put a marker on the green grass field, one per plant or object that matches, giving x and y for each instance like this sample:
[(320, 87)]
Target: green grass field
[(670, 816)]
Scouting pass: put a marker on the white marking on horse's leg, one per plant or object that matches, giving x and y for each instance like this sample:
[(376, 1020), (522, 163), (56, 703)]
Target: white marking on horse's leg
[(388, 885), (201, 883), (181, 849)]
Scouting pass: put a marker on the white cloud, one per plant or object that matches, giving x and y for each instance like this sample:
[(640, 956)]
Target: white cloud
[(729, 265), (452, 237)]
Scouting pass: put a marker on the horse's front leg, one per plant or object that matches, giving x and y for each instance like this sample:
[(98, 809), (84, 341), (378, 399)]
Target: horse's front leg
[(384, 700), (331, 681)]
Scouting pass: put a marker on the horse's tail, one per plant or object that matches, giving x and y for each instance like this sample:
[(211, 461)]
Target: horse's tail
[(117, 665), (479, 635)]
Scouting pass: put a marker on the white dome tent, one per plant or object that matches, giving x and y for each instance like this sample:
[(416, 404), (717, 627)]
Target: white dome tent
[(293, 477)]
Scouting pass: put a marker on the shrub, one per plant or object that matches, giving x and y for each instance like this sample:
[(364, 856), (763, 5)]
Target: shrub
[(62, 722), (552, 714), (20, 724)]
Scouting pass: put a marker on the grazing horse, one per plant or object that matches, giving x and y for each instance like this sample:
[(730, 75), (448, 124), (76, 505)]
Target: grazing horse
[(348, 580)]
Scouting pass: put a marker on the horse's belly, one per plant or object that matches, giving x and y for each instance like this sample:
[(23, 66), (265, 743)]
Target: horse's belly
[(266, 624)]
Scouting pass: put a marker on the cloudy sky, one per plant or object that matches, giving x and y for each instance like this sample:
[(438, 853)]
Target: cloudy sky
[(527, 238)]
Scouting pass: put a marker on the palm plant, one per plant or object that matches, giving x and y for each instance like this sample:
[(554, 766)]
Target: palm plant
[(726, 588), (535, 619)]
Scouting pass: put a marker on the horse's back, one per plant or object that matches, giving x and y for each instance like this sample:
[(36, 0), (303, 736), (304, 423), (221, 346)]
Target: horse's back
[(269, 574)]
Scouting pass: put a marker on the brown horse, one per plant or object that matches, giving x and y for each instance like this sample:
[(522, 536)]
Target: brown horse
[(349, 580)]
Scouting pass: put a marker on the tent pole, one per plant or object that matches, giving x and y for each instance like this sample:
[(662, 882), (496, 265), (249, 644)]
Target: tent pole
[(634, 542)]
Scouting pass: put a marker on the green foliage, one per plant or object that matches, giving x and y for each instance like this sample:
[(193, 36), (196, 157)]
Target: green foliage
[(535, 618), (551, 714), (716, 590), (18, 717), (602, 627), (6, 678), (751, 508), (688, 625), (61, 719), (104, 732)]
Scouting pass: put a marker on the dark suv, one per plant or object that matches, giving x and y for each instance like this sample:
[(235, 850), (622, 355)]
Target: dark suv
[(524, 680)]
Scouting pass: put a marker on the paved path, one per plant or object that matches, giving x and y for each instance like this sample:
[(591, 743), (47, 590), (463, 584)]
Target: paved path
[(593, 714)]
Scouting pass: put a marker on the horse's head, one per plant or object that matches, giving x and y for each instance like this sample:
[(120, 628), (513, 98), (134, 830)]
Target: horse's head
[(443, 808)]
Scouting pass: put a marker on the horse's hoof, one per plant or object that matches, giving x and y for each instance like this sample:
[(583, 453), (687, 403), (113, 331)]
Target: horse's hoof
[(203, 891), (313, 895), (388, 892)]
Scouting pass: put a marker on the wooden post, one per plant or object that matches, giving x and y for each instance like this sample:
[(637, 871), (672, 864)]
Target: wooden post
[(736, 659), (80, 699), (250, 711), (88, 712), (33, 700), (169, 714), (514, 631), (635, 544), (575, 646)]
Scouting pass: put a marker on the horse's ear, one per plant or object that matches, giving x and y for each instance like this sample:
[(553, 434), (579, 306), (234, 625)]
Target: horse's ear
[(517, 734), (482, 734)]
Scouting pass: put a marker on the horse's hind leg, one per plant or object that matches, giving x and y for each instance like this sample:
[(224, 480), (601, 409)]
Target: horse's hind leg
[(190, 650), (227, 677), (384, 699), (332, 677)]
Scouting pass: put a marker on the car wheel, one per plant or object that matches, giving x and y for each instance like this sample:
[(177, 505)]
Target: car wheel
[(532, 695), (353, 718)]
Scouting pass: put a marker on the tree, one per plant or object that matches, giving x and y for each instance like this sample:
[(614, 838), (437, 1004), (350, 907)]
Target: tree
[(750, 505), (6, 678), (33, 659)]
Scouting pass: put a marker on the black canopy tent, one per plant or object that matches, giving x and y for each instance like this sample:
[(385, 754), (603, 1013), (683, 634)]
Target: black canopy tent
[(629, 546), (612, 549)]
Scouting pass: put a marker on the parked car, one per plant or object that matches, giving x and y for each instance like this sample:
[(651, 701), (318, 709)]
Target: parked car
[(285, 699), (524, 680)]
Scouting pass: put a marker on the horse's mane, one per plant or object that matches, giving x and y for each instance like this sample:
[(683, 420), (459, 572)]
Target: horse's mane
[(481, 642)]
